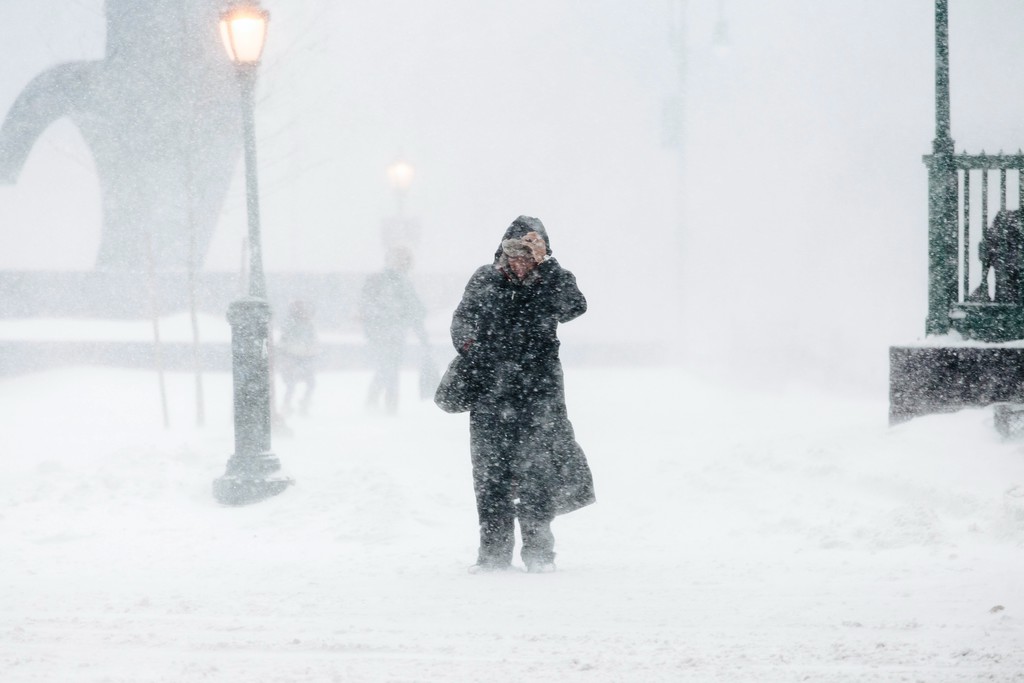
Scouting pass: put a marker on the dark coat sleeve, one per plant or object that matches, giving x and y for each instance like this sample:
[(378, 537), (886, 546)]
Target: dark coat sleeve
[(467, 317), (567, 300), (481, 303)]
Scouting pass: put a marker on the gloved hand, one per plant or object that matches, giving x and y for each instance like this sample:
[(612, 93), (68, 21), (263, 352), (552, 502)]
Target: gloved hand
[(536, 244)]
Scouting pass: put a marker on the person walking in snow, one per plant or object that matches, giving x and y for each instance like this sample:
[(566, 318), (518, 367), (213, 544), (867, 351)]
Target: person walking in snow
[(389, 308), (526, 462), (298, 349)]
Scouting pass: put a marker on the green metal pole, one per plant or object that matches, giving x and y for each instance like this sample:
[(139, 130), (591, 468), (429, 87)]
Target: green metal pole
[(942, 191), (251, 470), (247, 82), (675, 137)]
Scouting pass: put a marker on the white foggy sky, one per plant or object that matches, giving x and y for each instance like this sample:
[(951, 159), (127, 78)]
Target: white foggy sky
[(806, 190)]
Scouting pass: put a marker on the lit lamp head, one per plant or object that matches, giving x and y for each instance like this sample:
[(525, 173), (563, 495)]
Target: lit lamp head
[(400, 175), (243, 28)]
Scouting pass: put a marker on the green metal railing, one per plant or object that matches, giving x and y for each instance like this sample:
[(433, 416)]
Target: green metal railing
[(975, 246), (968, 246)]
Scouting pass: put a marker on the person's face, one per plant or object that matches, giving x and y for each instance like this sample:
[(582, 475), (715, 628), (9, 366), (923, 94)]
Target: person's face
[(521, 265)]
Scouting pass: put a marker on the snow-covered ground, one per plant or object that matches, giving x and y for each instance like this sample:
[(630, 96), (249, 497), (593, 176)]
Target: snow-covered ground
[(738, 536)]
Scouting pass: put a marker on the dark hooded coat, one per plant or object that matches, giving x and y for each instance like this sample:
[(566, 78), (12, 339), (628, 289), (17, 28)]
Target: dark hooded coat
[(508, 329)]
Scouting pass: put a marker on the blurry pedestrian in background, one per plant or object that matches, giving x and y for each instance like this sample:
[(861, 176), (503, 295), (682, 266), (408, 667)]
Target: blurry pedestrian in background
[(526, 462), (297, 352), (389, 308)]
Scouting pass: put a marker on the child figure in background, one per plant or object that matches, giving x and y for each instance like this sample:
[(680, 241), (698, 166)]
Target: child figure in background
[(298, 349)]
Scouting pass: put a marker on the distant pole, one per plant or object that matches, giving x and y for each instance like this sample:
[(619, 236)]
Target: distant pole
[(154, 311), (942, 191), (188, 154), (720, 39), (193, 277), (674, 137), (676, 108)]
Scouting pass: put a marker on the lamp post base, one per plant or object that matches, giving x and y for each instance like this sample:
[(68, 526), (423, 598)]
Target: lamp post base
[(249, 479)]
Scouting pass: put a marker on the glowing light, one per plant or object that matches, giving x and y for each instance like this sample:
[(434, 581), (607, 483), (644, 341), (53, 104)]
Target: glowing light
[(243, 29), (400, 175)]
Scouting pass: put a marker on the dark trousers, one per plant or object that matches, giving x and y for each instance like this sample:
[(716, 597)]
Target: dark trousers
[(386, 354), (295, 371), (512, 477)]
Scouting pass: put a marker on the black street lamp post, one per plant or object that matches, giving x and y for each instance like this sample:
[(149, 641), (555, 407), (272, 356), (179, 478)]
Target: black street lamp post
[(250, 474)]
